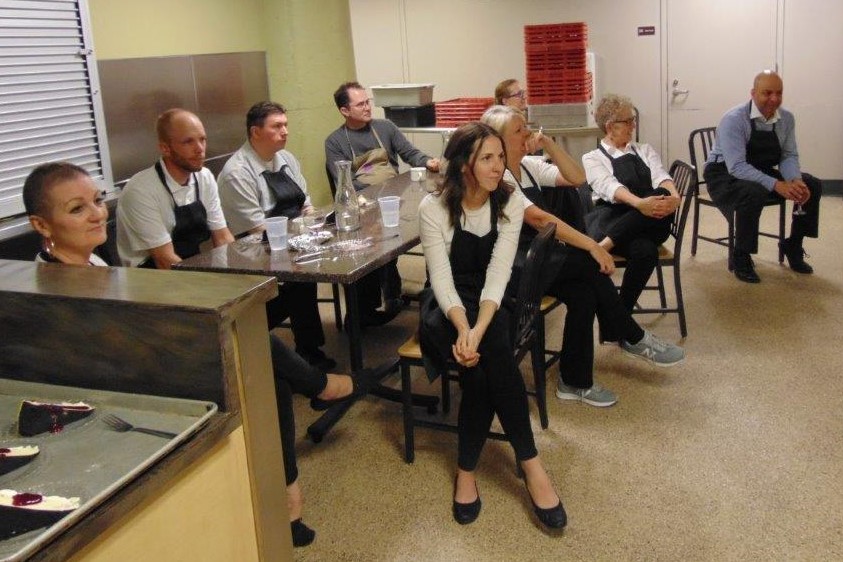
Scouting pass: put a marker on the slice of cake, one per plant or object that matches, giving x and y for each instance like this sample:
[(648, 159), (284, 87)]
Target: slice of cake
[(27, 511), (38, 417), (15, 457)]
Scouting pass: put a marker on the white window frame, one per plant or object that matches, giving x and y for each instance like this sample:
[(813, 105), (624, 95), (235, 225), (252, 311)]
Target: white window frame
[(50, 103)]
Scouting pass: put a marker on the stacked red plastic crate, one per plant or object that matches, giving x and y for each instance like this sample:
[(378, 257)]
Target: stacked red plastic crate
[(556, 63), (458, 111)]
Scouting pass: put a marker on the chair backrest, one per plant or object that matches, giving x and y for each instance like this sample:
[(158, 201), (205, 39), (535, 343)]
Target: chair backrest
[(530, 286), (700, 143), (685, 178)]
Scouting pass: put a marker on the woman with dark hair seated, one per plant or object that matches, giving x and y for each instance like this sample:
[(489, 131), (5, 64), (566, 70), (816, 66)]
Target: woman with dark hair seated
[(577, 270), (469, 232), (66, 208)]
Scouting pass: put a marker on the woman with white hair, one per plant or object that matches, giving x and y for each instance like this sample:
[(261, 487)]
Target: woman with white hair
[(637, 195)]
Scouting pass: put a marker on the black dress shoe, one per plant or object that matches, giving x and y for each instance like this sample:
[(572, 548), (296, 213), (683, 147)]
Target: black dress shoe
[(745, 269), (302, 534), (465, 513), (795, 257), (317, 358)]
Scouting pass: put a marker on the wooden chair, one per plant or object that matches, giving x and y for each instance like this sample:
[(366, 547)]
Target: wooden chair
[(700, 143), (527, 332)]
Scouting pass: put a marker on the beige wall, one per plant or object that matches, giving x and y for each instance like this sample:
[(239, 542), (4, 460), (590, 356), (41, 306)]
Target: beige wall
[(466, 46), (309, 52)]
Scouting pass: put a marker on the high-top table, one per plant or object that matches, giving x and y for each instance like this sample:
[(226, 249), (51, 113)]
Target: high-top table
[(389, 243)]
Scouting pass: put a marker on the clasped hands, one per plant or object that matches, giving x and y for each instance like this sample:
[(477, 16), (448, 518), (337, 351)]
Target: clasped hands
[(795, 190), (657, 206), (465, 349)]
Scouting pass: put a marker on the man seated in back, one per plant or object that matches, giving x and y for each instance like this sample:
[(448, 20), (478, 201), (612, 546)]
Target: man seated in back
[(263, 180), (754, 160), (373, 147), (167, 210)]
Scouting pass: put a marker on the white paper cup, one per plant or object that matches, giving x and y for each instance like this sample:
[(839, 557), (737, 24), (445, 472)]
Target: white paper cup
[(276, 233), (296, 226), (389, 209), (418, 174)]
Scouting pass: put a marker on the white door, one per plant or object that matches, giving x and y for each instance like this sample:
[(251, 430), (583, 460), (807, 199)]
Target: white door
[(714, 48)]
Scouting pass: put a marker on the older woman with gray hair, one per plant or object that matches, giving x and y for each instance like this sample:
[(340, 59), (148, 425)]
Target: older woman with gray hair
[(576, 271), (637, 196)]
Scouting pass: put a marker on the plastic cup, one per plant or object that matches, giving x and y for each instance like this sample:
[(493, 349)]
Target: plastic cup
[(389, 209), (418, 174), (276, 233)]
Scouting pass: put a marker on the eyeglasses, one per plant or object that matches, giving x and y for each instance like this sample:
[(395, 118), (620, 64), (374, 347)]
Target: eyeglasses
[(519, 94), (362, 104), (629, 121)]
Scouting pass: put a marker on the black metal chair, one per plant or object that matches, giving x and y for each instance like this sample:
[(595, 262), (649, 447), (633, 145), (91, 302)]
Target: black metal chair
[(527, 339), (700, 143)]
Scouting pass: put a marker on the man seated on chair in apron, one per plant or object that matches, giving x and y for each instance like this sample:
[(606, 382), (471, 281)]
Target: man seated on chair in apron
[(167, 210), (263, 180), (373, 146)]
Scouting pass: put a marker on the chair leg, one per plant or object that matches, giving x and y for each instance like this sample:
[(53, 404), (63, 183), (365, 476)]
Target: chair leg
[(782, 215), (407, 401), (660, 279), (731, 223), (335, 292), (696, 225), (539, 377), (446, 392), (680, 302)]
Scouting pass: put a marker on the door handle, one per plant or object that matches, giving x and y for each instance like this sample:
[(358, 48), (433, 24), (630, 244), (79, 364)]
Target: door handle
[(677, 92)]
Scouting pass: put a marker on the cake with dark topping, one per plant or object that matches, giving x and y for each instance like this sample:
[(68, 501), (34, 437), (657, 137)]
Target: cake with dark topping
[(15, 457), (21, 512), (40, 417)]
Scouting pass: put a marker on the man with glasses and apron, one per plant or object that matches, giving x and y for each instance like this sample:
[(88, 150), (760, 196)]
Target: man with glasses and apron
[(167, 210), (263, 180), (373, 146)]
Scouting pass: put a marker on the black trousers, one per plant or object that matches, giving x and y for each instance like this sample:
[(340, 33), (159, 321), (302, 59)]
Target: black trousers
[(575, 279), (383, 283), (747, 200), (297, 301), (292, 374), (637, 238), (494, 386)]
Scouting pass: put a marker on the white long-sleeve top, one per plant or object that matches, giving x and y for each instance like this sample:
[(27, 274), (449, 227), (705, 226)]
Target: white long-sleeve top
[(601, 176), (437, 234)]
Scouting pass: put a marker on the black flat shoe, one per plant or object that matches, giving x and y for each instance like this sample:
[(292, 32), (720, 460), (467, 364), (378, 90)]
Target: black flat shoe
[(465, 513), (745, 269), (552, 517), (302, 534), (362, 381)]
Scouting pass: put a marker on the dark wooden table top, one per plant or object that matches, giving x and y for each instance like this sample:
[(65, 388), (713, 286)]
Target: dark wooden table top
[(243, 256)]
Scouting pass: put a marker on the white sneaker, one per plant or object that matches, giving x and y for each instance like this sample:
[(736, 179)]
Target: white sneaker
[(594, 396), (655, 350)]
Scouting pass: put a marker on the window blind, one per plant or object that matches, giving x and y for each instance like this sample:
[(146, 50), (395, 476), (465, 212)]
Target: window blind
[(50, 108)]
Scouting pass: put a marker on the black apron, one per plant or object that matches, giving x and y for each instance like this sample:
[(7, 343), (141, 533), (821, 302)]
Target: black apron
[(289, 197), (191, 222), (631, 171), (469, 259), (763, 150), (557, 252)]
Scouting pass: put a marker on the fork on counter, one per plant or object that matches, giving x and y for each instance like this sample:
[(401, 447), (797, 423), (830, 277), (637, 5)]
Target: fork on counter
[(121, 425)]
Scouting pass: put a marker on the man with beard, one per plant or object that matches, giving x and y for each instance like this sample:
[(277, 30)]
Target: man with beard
[(167, 210)]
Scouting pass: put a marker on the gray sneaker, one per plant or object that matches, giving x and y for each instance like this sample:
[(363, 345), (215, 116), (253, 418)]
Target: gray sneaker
[(594, 396), (655, 350)]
